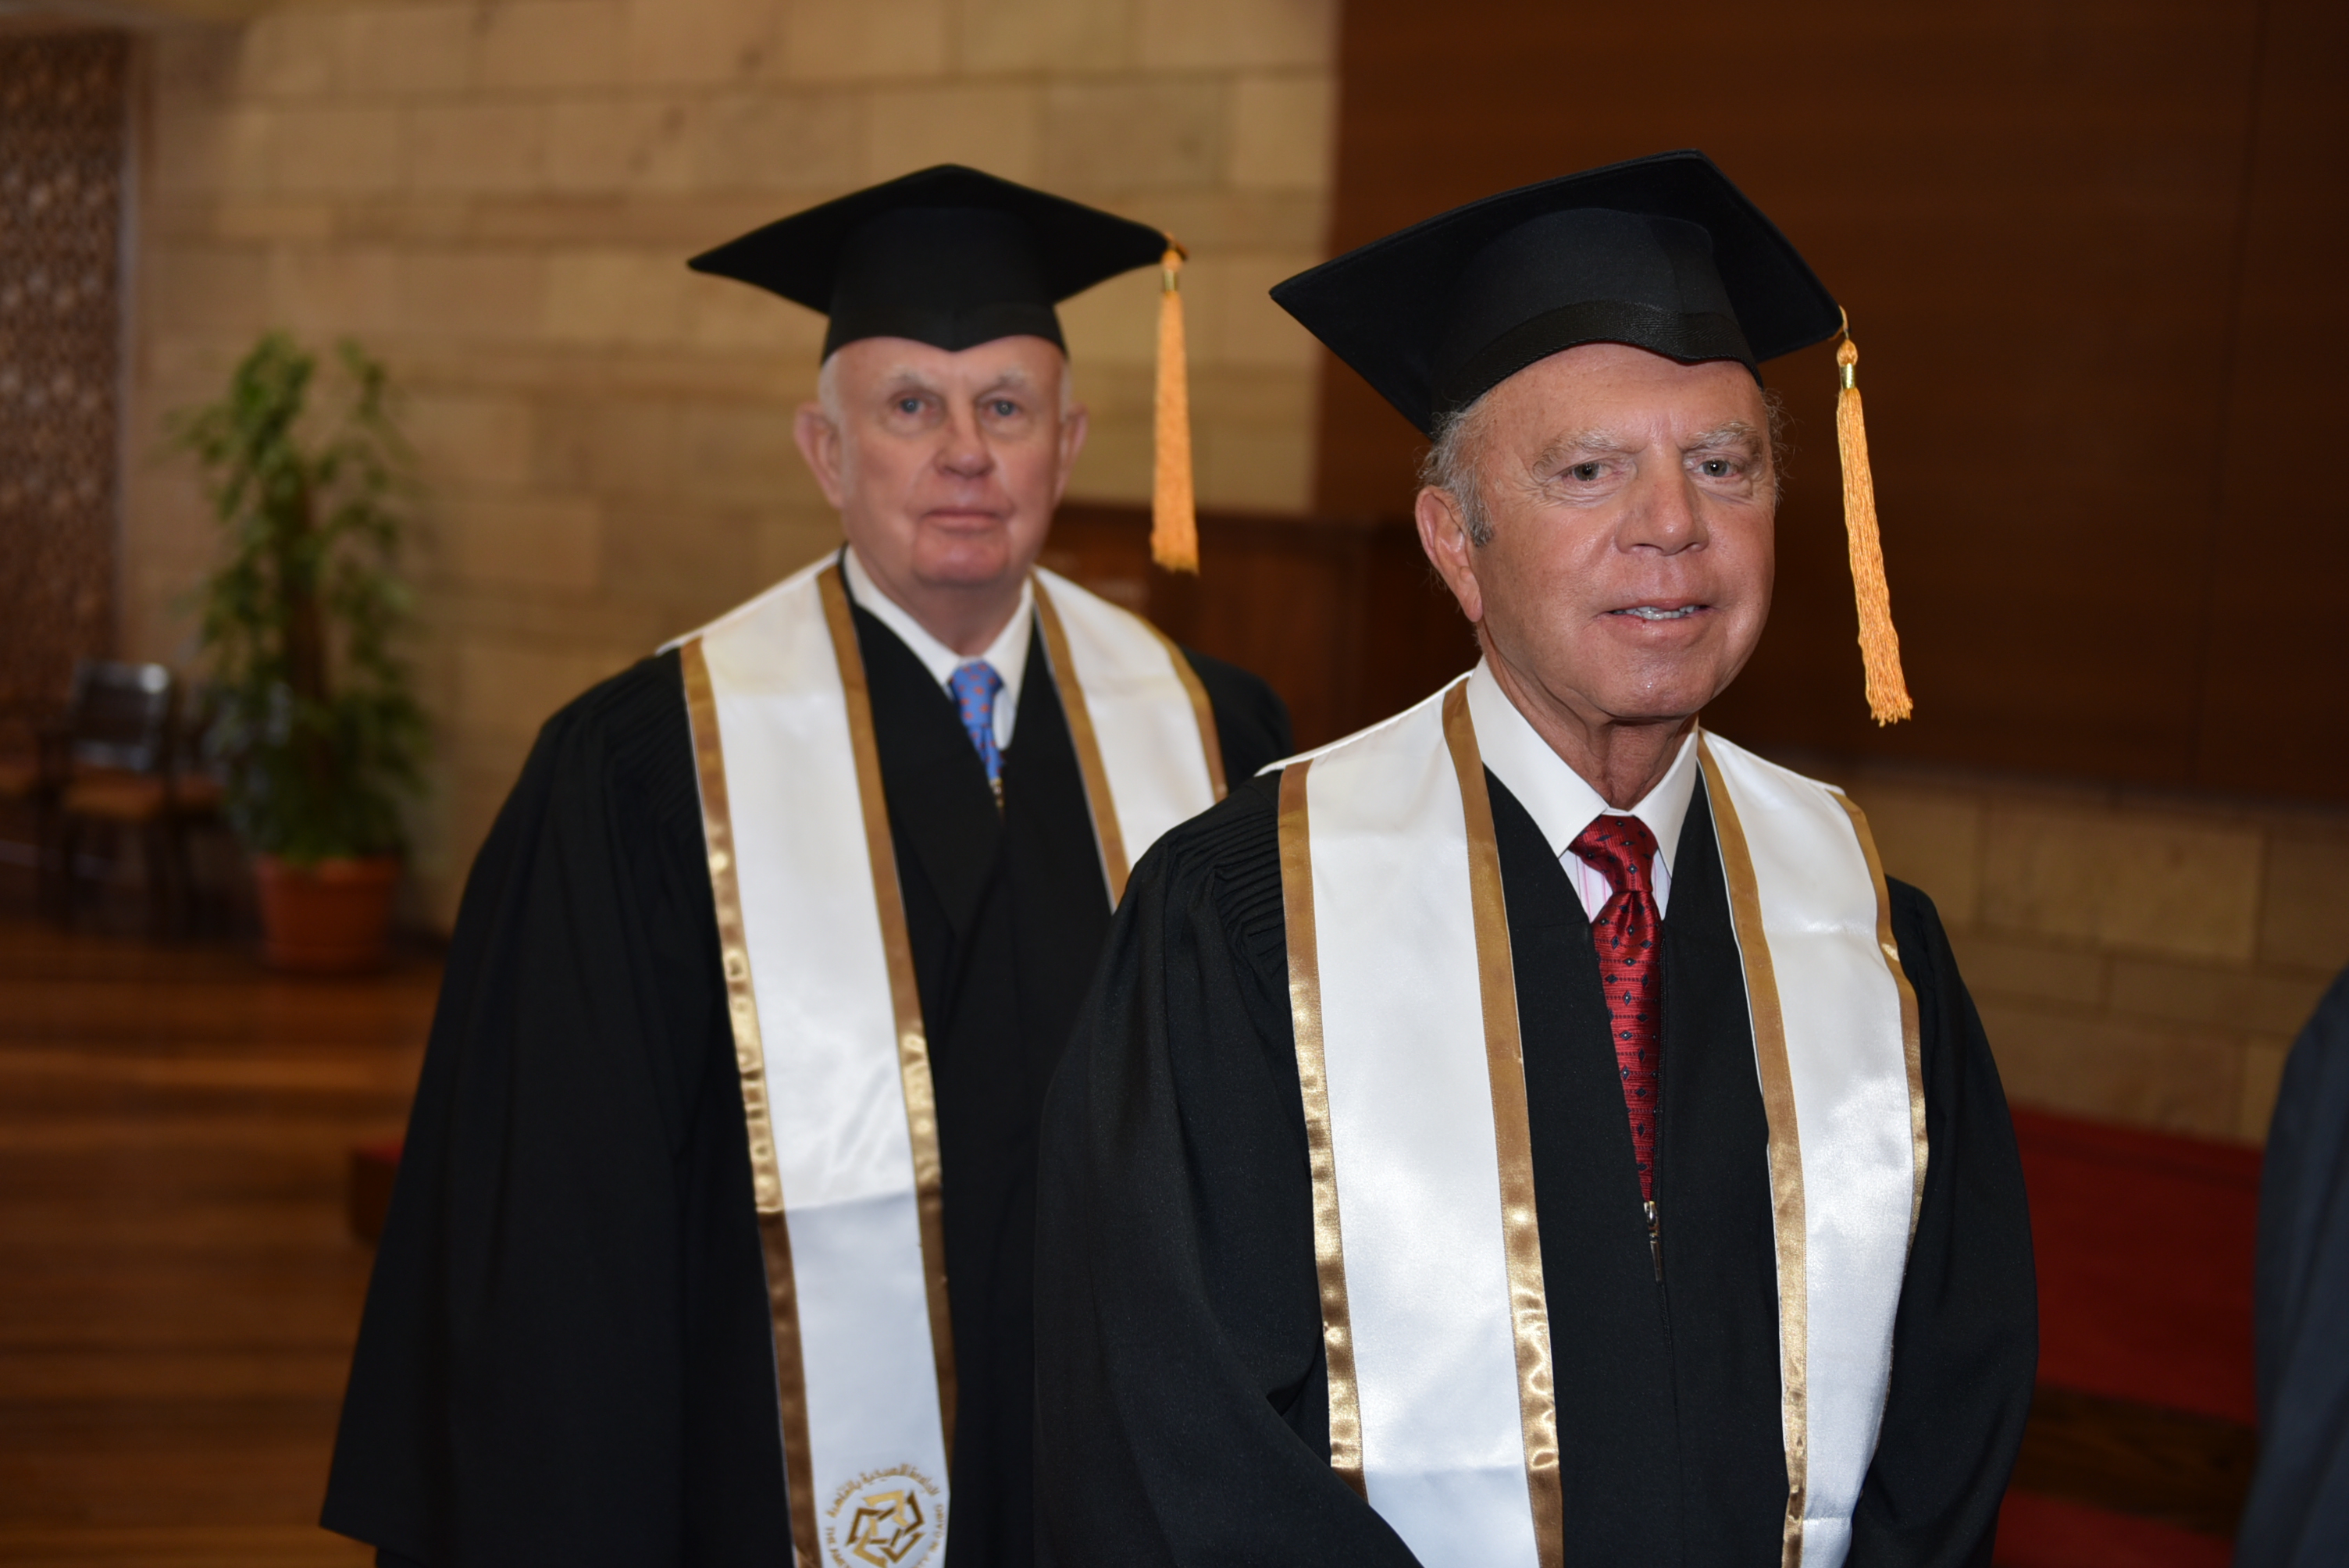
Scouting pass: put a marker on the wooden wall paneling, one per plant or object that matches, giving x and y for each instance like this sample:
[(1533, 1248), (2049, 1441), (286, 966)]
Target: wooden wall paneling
[(1415, 638), (1275, 596), (1341, 615), (2036, 217), (1281, 598), (2274, 700), (63, 134)]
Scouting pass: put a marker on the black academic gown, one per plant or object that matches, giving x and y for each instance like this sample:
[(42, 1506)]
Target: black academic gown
[(566, 1356), (2298, 1512), (1183, 1398)]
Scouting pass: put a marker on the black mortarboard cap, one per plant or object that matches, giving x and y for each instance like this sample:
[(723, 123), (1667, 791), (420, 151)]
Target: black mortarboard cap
[(1661, 252), (948, 256)]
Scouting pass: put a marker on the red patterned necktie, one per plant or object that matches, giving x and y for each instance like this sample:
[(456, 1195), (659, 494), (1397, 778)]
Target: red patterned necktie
[(1631, 968)]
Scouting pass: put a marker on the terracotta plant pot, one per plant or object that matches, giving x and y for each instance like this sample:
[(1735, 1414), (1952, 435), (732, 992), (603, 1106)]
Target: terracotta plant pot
[(333, 918)]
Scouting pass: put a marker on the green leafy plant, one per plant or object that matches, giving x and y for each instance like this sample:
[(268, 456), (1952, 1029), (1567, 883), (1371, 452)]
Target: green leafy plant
[(315, 725)]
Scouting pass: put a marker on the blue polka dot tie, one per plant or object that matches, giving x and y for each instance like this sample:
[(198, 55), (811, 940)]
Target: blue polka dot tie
[(973, 686), (1630, 967)]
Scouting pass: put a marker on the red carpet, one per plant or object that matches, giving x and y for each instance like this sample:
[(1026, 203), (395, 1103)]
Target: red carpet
[(2041, 1533), (2145, 1246)]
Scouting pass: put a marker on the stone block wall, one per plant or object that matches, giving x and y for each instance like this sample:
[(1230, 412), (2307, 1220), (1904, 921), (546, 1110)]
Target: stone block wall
[(498, 196), (2136, 958)]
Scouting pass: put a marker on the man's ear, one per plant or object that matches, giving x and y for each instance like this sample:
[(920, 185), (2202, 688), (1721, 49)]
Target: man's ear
[(1444, 535), (1075, 425), (820, 444)]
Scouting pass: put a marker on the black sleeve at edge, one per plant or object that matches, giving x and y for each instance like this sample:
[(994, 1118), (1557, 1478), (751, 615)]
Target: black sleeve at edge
[(568, 1294)]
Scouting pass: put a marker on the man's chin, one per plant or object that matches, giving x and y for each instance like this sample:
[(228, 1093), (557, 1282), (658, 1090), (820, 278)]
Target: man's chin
[(1669, 704), (948, 570), (1665, 696), (1656, 685)]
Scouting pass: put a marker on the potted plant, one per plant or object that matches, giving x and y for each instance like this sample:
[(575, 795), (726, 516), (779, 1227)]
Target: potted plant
[(315, 725)]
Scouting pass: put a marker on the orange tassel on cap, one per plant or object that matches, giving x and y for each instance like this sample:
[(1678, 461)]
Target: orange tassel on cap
[(1173, 517), (1880, 645)]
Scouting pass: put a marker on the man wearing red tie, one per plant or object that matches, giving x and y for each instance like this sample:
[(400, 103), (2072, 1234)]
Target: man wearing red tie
[(1533, 1131)]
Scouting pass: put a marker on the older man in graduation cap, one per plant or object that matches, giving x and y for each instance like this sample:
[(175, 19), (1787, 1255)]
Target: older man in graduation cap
[(1533, 1131), (712, 1240)]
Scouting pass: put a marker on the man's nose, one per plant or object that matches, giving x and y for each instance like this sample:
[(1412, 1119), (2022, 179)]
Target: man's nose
[(1663, 515), (965, 453)]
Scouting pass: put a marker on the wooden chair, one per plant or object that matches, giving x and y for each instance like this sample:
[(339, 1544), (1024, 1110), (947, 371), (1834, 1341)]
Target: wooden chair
[(127, 772)]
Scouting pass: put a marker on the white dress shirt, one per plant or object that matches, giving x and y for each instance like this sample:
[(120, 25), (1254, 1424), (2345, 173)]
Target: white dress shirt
[(1007, 655), (1562, 803)]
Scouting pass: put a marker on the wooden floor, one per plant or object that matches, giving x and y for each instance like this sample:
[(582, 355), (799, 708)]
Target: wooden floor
[(179, 1289)]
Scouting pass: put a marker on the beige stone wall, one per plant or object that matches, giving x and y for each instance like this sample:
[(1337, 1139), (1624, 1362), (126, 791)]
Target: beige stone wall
[(498, 198), (2135, 958)]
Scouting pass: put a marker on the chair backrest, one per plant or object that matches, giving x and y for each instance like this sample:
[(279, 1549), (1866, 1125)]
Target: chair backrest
[(195, 712), (120, 716)]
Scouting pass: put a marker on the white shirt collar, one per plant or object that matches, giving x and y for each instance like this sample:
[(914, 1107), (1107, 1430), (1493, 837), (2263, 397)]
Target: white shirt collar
[(1008, 653), (1560, 800)]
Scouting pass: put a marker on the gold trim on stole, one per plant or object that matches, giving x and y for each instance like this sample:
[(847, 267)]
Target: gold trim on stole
[(750, 1061), (1115, 867), (1513, 1138), (1203, 710), (913, 1046), (905, 992), (1313, 1082), (1786, 1148), (1911, 1039)]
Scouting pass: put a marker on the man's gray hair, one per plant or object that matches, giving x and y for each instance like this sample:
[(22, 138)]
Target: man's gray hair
[(1454, 464)]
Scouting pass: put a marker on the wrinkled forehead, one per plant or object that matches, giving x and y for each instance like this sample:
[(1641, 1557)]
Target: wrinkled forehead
[(1631, 396), (1021, 360)]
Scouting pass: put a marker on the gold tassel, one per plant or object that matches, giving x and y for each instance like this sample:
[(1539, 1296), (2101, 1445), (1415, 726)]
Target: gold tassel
[(1880, 645), (1174, 518)]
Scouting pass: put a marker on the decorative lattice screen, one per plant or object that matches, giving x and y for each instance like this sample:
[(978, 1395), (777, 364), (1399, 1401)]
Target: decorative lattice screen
[(63, 129)]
